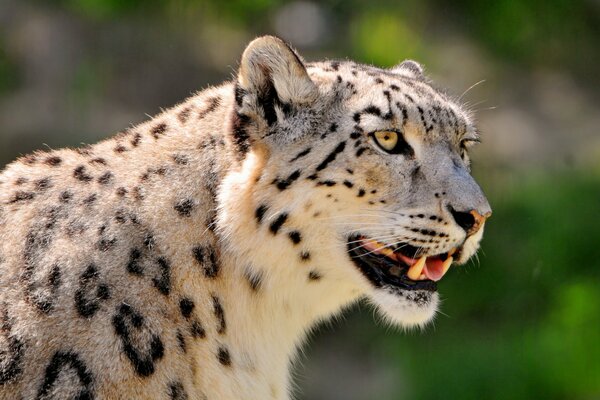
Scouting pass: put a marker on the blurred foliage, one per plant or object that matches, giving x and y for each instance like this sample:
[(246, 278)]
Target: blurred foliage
[(8, 72), (562, 33)]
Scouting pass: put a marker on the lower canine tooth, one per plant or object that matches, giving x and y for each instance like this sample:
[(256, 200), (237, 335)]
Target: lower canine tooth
[(414, 272), (447, 264)]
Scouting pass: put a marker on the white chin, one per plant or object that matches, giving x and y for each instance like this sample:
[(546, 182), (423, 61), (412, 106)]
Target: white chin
[(405, 308)]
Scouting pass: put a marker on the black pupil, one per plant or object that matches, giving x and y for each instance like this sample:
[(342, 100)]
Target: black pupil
[(400, 147)]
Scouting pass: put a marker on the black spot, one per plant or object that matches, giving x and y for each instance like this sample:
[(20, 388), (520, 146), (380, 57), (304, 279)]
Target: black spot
[(301, 154), (285, 183), (327, 183), (90, 292), (105, 244), (197, 330), (121, 192), (240, 137), (335, 65), (223, 356), (331, 157), (53, 161), (360, 151), (135, 141), (60, 362), (361, 193), (394, 87), (21, 196), (11, 351), (254, 279), (184, 114), (279, 221), (312, 177), (305, 256), (177, 392), (378, 80), (181, 159), (213, 103), (373, 110), (98, 160), (181, 341), (350, 171), (158, 130), (127, 320), (219, 314), (163, 280), (348, 184), (81, 174), (120, 216), (138, 193), (133, 264), (43, 184), (120, 148), (208, 260), (90, 199), (184, 207), (295, 237), (239, 94), (260, 212), (355, 135), (356, 117), (186, 306), (29, 159), (332, 128), (105, 178), (314, 276)]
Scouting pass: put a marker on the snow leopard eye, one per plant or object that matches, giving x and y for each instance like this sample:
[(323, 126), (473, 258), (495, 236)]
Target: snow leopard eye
[(387, 140), (392, 142)]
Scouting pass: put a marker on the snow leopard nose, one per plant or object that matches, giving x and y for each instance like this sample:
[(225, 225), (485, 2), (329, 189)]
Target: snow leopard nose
[(470, 220)]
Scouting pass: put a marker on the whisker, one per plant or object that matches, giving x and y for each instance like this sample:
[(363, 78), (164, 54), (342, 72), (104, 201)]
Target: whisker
[(469, 89), (377, 249), (472, 106)]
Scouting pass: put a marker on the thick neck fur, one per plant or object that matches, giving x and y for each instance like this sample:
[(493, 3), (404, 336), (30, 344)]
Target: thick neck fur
[(280, 289)]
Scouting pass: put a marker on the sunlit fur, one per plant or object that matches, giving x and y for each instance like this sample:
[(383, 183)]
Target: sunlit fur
[(274, 172)]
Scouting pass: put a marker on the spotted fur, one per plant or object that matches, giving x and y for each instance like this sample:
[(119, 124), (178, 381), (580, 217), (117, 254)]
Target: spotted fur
[(187, 257)]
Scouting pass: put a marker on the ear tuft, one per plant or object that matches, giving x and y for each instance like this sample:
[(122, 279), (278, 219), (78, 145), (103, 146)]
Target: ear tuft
[(410, 68), (270, 67)]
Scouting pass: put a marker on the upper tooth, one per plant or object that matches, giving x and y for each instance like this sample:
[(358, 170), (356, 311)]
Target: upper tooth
[(387, 251), (452, 251), (446, 265), (414, 272)]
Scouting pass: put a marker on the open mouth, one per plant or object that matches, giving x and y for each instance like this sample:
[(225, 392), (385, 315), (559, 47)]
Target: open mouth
[(403, 266)]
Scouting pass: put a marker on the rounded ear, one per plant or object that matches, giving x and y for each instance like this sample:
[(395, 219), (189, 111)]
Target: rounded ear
[(272, 71), (409, 68)]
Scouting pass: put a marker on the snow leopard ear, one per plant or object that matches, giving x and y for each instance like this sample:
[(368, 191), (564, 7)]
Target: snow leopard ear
[(409, 68), (275, 78)]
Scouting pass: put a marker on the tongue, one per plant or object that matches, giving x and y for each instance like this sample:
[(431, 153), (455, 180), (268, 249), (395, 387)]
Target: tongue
[(434, 269)]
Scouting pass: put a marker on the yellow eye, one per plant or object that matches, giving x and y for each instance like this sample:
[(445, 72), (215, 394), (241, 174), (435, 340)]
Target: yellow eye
[(387, 140)]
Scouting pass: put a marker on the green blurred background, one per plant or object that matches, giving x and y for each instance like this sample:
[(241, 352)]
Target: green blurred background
[(523, 321)]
